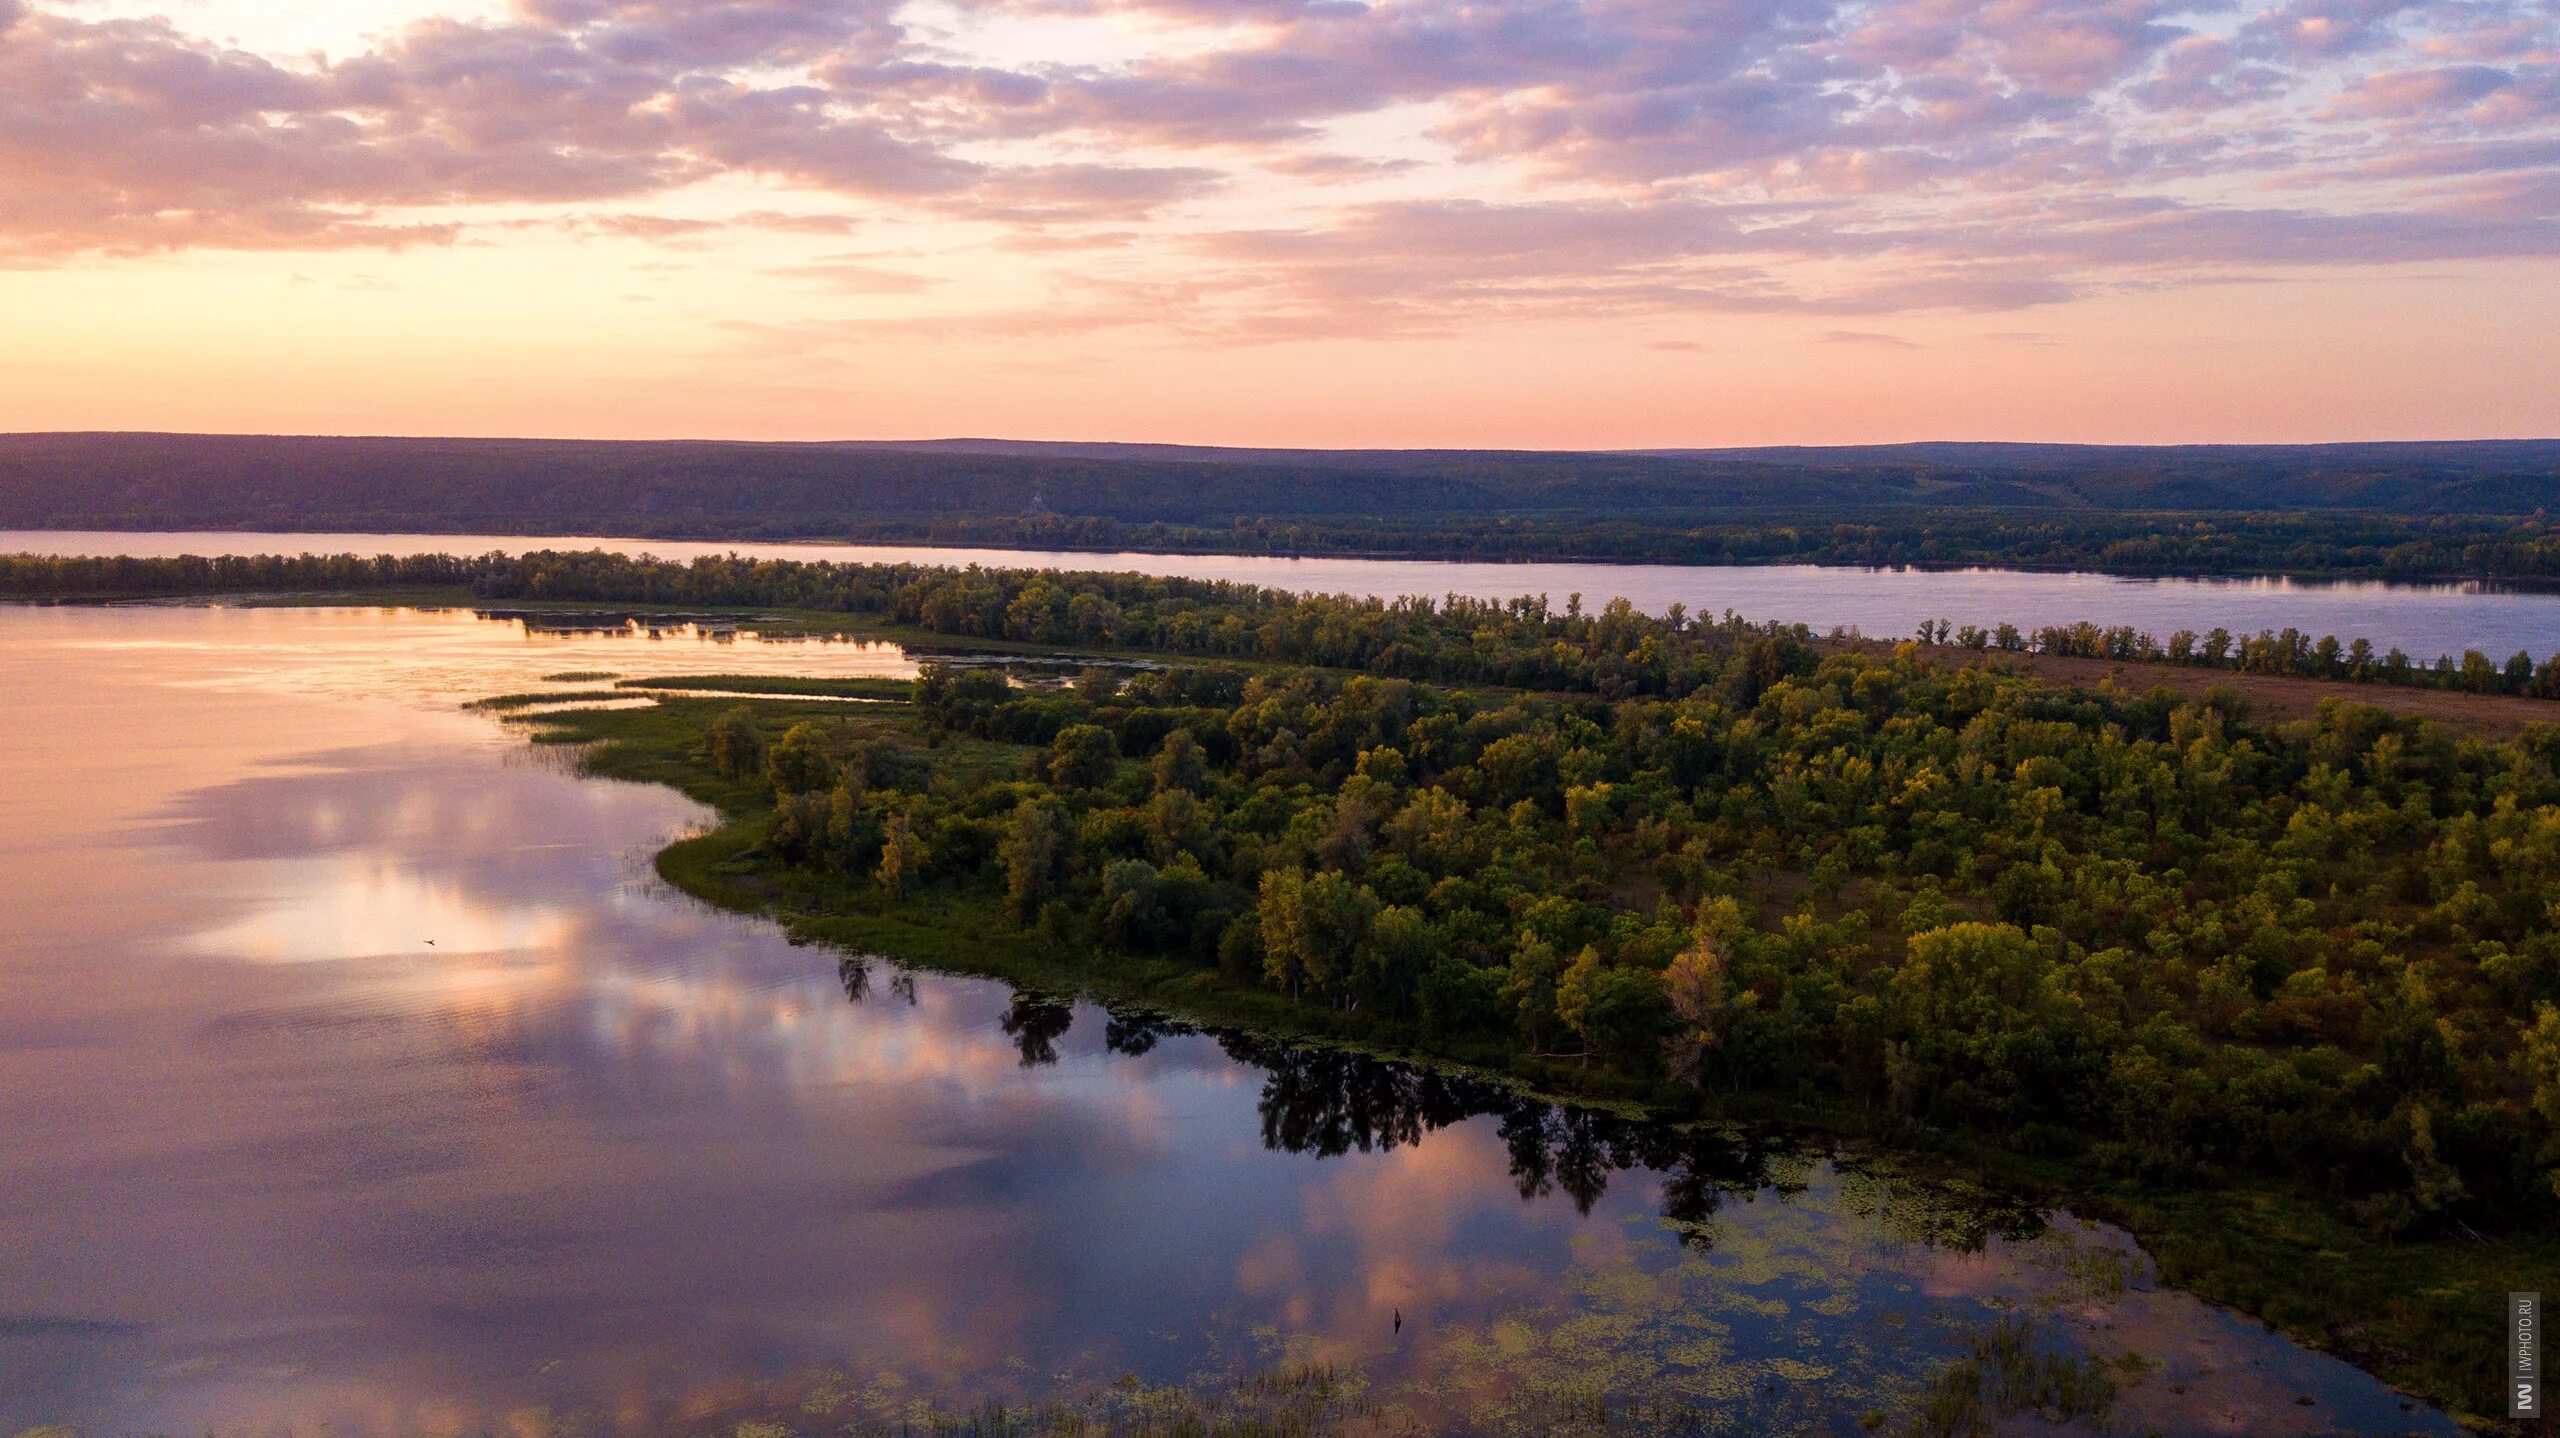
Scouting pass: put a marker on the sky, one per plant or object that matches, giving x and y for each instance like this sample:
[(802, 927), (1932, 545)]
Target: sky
[(1532, 223)]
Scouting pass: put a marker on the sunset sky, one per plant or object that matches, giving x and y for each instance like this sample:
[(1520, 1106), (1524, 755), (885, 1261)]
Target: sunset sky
[(1323, 222)]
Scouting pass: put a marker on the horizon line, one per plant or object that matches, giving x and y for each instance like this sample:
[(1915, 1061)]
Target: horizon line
[(1672, 451)]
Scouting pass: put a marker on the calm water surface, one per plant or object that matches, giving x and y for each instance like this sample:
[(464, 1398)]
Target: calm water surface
[(2424, 620), (358, 1077)]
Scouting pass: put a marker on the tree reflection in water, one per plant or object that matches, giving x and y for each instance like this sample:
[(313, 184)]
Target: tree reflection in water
[(1136, 1034), (1329, 1102), (854, 971), (1036, 1023)]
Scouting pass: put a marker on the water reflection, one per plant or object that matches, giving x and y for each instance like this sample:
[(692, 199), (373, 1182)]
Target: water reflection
[(444, 657), (359, 1075), (1327, 1103)]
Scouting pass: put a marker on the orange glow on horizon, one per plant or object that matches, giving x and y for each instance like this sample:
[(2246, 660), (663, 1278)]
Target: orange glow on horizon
[(1532, 225)]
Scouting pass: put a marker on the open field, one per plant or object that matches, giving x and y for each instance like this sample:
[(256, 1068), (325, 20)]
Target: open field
[(2274, 696)]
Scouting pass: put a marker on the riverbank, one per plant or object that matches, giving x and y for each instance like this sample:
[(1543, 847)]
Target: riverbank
[(2402, 1309), (2315, 546)]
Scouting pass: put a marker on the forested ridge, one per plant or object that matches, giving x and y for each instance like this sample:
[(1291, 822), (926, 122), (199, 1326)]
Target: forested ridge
[(2450, 509), (2293, 542)]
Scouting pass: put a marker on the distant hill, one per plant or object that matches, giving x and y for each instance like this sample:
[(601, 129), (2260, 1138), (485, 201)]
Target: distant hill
[(720, 489)]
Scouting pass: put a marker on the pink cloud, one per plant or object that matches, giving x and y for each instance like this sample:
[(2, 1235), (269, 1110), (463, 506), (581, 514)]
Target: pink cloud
[(1596, 156), (2399, 94)]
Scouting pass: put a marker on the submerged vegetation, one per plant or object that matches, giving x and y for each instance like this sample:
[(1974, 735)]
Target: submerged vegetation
[(2007, 1372)]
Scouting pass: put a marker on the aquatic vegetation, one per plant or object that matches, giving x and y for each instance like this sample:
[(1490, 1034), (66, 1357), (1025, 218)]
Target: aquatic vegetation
[(776, 684), (2007, 1372), (506, 703)]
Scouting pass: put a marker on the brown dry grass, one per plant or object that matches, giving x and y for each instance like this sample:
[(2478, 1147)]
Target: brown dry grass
[(2270, 696)]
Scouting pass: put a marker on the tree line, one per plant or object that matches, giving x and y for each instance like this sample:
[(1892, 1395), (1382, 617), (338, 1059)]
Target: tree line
[(1527, 642), (2302, 543), (2288, 652)]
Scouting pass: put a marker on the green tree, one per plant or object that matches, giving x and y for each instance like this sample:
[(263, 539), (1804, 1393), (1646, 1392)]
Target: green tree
[(2541, 1063), (1176, 824), (2434, 1186), (1400, 946), (1179, 764), (1133, 903), (1083, 756), (1971, 1002), (1619, 1014), (1435, 831), (902, 856), (1033, 849), (799, 764), (1697, 991), (1312, 927), (959, 698), (733, 745), (1577, 989), (1530, 990)]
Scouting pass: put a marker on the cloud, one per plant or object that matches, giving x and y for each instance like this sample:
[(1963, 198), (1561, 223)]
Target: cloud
[(1321, 166), (855, 275), (644, 227), (1514, 158), (788, 222), (678, 35), (128, 135), (2399, 94), (1054, 193)]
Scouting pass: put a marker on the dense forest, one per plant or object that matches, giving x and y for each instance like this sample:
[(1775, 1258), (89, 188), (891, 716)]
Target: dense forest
[(1528, 642), (2407, 510), (2136, 928)]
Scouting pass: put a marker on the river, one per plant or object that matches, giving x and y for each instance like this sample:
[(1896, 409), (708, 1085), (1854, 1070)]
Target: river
[(359, 1077), (2424, 620)]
